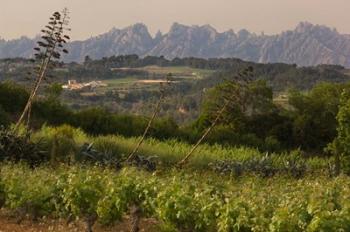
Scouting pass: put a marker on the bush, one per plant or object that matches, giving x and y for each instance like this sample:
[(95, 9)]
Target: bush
[(4, 117), (13, 97), (19, 147), (62, 142)]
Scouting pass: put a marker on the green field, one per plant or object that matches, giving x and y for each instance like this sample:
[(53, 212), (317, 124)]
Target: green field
[(177, 71), (122, 83), (128, 84), (149, 81)]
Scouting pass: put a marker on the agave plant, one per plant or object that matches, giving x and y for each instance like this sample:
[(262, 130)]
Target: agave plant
[(144, 162), (47, 54), (263, 167), (295, 168), (88, 153)]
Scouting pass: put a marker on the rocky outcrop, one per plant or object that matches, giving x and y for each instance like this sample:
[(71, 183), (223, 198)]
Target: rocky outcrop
[(306, 45)]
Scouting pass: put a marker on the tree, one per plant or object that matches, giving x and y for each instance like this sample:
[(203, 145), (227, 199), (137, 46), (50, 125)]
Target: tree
[(314, 115), (245, 100), (54, 91), (341, 144), (4, 118), (232, 96), (49, 50), (13, 97)]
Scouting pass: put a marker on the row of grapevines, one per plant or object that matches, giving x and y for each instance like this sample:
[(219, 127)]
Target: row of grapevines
[(182, 201)]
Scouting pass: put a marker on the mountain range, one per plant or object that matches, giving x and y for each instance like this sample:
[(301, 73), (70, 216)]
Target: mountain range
[(306, 45)]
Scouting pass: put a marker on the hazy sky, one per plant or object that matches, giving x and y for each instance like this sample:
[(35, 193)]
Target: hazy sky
[(93, 17)]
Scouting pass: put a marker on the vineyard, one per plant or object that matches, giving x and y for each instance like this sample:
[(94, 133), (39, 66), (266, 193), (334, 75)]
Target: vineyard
[(142, 143), (63, 173), (179, 201)]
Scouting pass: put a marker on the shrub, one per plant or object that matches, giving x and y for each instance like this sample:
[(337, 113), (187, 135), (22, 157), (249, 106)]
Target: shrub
[(4, 117), (62, 142), (19, 147)]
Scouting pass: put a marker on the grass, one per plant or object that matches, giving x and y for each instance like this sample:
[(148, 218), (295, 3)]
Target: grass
[(169, 152), (115, 84)]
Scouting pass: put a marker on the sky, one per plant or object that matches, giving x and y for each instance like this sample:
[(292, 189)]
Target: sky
[(94, 17)]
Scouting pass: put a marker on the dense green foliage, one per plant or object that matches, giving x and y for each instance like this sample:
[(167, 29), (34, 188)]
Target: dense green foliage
[(340, 147), (279, 75), (308, 121), (94, 121), (180, 201)]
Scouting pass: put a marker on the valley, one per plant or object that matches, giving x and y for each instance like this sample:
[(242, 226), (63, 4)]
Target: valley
[(192, 129)]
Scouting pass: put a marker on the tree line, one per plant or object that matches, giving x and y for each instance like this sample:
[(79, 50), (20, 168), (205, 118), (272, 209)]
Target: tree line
[(308, 122)]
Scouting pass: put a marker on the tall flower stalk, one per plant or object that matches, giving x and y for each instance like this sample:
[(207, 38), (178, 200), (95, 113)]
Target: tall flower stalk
[(48, 51), (243, 79), (162, 90)]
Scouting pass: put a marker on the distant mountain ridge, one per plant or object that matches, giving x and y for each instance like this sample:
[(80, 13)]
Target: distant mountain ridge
[(306, 45)]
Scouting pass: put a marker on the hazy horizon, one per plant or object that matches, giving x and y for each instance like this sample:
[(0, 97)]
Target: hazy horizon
[(96, 17)]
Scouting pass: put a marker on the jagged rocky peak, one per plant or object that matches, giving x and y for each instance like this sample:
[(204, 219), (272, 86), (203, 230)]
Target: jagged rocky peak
[(178, 28), (229, 32), (306, 45), (182, 27), (307, 27), (203, 32), (158, 35), (139, 28), (303, 27), (243, 34), (208, 27)]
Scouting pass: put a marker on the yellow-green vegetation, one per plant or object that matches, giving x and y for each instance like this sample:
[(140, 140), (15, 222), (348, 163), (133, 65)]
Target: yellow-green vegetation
[(127, 84), (168, 152), (177, 71), (179, 200), (122, 84), (282, 100), (120, 81)]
